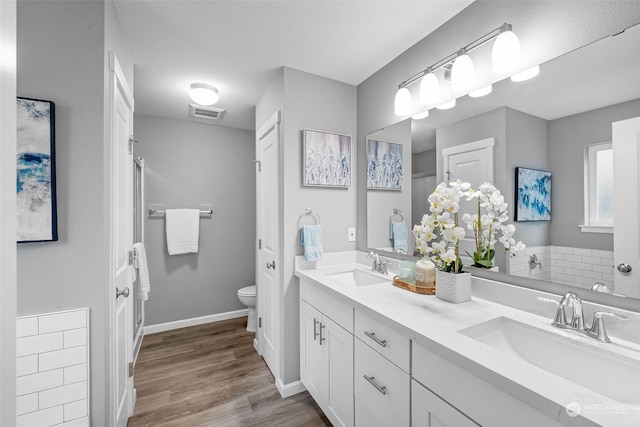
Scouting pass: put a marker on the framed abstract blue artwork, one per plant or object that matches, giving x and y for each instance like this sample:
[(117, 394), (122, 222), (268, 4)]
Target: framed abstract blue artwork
[(36, 178), (327, 159), (384, 165), (533, 195)]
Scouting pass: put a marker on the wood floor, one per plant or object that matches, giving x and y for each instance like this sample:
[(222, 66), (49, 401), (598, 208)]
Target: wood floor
[(210, 375)]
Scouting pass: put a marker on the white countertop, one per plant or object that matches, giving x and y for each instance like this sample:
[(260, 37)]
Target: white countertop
[(435, 323)]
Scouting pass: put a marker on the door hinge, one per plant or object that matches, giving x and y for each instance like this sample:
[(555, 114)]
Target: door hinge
[(132, 257), (130, 369), (259, 243), (259, 322), (259, 164)]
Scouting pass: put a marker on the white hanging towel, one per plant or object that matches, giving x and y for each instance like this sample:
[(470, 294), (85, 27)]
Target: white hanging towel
[(143, 270), (183, 229)]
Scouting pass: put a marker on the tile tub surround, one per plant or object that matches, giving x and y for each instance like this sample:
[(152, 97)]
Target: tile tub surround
[(577, 267), (52, 369), (434, 324)]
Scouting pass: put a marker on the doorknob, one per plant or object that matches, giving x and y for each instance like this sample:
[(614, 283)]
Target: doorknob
[(124, 292), (624, 268), (271, 264)]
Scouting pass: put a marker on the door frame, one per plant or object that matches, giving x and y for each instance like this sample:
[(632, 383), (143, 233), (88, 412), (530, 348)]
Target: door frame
[(116, 78), (271, 124)]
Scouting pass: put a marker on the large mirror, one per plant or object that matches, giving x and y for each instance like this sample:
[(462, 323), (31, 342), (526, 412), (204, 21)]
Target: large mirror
[(546, 123)]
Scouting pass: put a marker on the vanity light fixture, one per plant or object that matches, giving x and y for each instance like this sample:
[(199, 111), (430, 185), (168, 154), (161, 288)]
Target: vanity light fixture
[(505, 56), (526, 74), (421, 116), (481, 92), (203, 94)]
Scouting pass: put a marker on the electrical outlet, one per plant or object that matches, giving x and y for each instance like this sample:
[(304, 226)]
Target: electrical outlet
[(351, 234)]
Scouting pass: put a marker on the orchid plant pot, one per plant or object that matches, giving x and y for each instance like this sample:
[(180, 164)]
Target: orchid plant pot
[(453, 287)]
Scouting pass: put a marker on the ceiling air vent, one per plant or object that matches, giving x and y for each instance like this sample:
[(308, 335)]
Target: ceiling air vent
[(201, 112)]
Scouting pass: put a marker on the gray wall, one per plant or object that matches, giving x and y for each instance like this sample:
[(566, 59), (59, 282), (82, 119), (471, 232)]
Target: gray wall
[(62, 56), (188, 164), (423, 162), (568, 137), (546, 30), (307, 101)]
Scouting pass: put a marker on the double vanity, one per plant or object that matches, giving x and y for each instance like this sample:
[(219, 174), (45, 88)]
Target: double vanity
[(372, 354)]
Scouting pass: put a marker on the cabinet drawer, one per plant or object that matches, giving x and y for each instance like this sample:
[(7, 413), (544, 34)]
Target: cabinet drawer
[(339, 311), (383, 339), (381, 390)]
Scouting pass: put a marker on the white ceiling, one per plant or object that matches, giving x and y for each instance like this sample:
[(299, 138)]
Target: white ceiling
[(239, 46)]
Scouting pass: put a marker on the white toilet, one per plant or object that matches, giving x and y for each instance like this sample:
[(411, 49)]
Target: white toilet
[(247, 296)]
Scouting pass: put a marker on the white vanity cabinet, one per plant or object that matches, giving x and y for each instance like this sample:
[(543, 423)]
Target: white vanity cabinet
[(428, 410), (382, 382), (326, 353)]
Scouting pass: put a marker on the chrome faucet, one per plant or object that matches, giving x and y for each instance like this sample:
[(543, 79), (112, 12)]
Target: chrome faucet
[(378, 265), (571, 299)]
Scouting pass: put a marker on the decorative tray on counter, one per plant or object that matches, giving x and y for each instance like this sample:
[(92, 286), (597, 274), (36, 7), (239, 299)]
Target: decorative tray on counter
[(424, 290)]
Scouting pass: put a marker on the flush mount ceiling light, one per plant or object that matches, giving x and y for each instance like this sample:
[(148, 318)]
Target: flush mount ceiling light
[(203, 94), (505, 56)]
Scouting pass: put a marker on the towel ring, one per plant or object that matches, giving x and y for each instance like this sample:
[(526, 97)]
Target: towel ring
[(308, 212), (398, 212)]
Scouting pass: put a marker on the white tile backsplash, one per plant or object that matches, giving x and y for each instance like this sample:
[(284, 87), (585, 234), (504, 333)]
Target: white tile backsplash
[(566, 265), (52, 381)]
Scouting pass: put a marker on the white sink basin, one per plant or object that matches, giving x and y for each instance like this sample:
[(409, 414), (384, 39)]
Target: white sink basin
[(605, 372), (358, 277)]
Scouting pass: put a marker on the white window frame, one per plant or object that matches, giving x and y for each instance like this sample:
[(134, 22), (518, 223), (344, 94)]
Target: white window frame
[(591, 224)]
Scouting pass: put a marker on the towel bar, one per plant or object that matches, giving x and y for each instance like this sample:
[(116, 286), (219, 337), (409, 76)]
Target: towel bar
[(157, 212)]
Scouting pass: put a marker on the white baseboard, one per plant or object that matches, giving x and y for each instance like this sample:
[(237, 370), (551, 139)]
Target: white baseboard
[(161, 327), (290, 389), (256, 345)]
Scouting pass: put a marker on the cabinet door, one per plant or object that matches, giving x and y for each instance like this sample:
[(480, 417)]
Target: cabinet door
[(339, 346), (313, 364), (428, 410)]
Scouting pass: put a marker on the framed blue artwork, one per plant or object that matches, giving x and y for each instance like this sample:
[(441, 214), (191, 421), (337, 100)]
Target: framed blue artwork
[(384, 165), (327, 159), (36, 177), (533, 195)]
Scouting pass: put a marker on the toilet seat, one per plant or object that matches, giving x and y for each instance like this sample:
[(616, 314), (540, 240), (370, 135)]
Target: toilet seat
[(247, 291)]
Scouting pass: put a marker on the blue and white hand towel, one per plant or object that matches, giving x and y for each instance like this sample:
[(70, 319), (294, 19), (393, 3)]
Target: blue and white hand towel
[(311, 240), (399, 237)]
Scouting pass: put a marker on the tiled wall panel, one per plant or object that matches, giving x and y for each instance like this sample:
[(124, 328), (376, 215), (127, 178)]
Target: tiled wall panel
[(52, 369)]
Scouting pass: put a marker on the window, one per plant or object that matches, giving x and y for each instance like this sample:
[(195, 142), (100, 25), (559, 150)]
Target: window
[(598, 193)]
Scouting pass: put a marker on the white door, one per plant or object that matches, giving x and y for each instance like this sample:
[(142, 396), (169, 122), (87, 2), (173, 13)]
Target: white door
[(121, 224), (472, 163), (269, 265), (626, 216)]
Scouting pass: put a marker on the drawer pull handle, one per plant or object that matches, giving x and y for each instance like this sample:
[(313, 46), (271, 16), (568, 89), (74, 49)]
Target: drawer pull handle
[(373, 336), (321, 337), (372, 381), (315, 328)]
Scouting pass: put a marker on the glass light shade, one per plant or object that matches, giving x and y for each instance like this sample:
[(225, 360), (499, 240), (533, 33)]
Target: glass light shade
[(403, 103), (505, 55), (526, 74), (203, 94), (481, 92), (421, 116), (447, 105), (429, 89), (462, 73)]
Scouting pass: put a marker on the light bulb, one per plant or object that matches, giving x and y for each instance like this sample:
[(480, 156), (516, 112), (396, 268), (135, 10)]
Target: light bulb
[(505, 54), (429, 89), (203, 94), (462, 72), (526, 74), (481, 92), (403, 103), (447, 105)]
